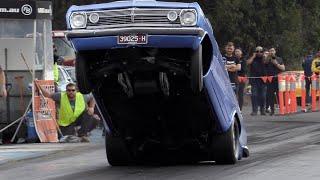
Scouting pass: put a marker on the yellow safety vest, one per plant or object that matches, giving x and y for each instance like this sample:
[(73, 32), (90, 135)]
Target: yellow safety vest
[(55, 73), (66, 114)]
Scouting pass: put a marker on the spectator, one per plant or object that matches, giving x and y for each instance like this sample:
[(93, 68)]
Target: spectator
[(266, 54), (3, 90), (274, 66), (232, 65), (306, 64), (315, 66), (74, 109), (258, 87), (242, 72)]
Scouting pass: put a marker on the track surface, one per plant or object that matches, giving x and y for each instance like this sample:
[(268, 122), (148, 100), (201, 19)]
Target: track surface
[(281, 148)]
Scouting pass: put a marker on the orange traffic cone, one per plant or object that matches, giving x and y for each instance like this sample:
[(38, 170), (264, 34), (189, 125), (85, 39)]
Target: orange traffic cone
[(314, 92), (303, 93), (293, 97), (287, 95), (282, 89)]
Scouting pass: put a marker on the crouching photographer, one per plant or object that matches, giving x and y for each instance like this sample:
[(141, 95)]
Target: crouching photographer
[(315, 67)]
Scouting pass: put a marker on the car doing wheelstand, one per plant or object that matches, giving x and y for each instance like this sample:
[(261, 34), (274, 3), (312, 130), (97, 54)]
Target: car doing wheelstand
[(158, 77)]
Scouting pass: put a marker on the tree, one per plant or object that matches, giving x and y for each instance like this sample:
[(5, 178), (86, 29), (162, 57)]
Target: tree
[(292, 26)]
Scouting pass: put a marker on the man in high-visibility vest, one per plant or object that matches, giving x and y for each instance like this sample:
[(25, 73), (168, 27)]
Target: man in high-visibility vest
[(74, 109)]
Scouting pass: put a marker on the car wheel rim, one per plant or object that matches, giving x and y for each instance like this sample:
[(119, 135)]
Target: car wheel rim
[(235, 142)]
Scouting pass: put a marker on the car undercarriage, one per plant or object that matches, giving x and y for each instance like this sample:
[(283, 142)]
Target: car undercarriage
[(148, 96), (159, 80)]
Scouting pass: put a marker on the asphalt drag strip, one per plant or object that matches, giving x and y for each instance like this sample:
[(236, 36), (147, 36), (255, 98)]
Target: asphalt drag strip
[(281, 147)]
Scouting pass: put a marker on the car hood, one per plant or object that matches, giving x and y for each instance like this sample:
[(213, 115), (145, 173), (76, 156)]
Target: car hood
[(131, 3)]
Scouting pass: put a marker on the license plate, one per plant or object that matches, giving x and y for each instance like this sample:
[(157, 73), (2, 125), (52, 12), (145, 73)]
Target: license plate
[(133, 39)]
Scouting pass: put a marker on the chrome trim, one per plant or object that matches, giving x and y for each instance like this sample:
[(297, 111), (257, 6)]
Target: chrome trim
[(148, 30), (97, 27), (133, 16), (188, 10), (78, 13)]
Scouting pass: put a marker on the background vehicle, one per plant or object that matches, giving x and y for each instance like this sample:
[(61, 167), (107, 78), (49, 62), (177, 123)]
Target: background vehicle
[(72, 72), (158, 77), (64, 48), (64, 78)]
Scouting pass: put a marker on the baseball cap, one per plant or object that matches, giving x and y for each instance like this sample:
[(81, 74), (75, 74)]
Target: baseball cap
[(259, 48)]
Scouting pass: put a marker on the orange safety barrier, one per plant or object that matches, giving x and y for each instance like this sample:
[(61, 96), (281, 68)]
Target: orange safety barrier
[(282, 89), (44, 113), (314, 92), (293, 97), (303, 93)]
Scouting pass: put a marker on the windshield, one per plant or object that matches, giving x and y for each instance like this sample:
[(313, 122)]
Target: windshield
[(64, 48)]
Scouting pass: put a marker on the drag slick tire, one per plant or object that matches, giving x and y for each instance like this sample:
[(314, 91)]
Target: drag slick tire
[(196, 70), (117, 152), (226, 146), (82, 74)]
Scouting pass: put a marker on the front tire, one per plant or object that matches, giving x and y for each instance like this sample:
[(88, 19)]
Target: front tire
[(82, 75), (226, 146), (196, 70)]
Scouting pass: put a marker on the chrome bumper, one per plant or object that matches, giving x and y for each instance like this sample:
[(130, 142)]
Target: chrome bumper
[(147, 30)]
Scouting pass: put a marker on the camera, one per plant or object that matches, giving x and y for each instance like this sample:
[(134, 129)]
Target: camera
[(230, 62)]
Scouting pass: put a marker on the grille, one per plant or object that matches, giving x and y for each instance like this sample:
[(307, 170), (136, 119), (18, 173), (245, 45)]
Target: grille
[(133, 17)]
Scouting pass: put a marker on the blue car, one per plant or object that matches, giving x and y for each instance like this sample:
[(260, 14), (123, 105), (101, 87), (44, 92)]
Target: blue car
[(159, 79)]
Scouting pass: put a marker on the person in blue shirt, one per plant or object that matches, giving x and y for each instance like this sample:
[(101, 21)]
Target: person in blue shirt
[(306, 64)]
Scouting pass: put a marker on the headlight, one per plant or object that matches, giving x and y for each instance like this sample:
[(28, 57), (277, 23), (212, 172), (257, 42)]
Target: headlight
[(188, 17), (78, 20), (94, 18), (172, 16)]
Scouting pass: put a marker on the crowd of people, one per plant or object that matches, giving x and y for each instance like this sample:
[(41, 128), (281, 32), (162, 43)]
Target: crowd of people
[(263, 62), (311, 65)]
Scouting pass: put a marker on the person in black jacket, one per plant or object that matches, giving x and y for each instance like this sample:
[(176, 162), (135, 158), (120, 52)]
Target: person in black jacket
[(258, 87), (274, 66), (232, 65), (239, 55)]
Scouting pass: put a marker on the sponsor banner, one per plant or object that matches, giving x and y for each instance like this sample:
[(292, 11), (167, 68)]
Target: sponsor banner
[(17, 9), (44, 10), (44, 113), (25, 9)]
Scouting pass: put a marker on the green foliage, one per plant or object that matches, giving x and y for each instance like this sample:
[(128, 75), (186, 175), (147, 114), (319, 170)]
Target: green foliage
[(291, 26)]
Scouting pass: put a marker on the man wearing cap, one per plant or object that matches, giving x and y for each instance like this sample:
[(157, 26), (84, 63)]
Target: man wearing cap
[(75, 109), (274, 66), (258, 87)]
